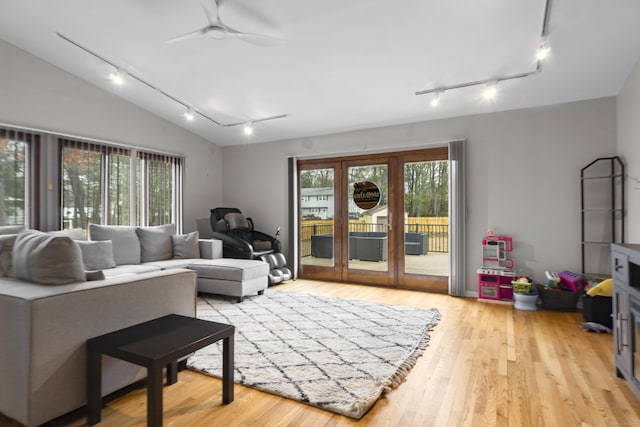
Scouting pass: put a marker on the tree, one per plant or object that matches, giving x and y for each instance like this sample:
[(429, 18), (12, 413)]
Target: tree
[(12, 181)]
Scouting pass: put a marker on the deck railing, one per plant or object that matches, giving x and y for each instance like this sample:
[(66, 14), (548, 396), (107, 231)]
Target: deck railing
[(438, 233)]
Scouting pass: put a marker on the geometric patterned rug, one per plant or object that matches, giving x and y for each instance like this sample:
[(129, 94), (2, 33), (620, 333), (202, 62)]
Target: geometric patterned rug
[(338, 355)]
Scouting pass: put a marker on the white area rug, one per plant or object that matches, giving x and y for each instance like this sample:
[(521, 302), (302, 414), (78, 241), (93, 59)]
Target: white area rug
[(335, 354)]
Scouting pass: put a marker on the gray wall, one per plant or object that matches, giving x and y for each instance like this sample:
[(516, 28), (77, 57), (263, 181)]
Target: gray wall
[(36, 94), (629, 148), (522, 178)]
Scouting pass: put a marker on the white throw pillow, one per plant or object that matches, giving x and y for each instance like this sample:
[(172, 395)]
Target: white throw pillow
[(186, 246), (50, 260)]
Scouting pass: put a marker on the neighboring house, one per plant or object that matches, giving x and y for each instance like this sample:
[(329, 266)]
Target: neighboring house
[(318, 202)]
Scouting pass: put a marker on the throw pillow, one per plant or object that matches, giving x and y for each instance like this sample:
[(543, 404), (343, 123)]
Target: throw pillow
[(50, 260), (97, 255), (94, 275), (72, 233), (126, 246), (6, 252), (155, 242), (186, 246), (11, 229), (237, 221)]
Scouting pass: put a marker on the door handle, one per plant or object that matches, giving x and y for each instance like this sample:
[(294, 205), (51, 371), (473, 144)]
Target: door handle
[(390, 220)]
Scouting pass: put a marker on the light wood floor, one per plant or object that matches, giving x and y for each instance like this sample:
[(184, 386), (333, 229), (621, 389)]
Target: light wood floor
[(486, 365)]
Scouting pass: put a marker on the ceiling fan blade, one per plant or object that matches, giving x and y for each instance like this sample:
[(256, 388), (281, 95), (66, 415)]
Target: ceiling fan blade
[(256, 39), (210, 8), (193, 34)]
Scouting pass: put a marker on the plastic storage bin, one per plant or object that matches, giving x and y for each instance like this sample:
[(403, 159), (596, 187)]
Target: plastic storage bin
[(598, 309), (557, 299)]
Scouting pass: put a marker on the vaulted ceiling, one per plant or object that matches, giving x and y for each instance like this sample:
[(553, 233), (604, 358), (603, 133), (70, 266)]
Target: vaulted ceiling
[(331, 65)]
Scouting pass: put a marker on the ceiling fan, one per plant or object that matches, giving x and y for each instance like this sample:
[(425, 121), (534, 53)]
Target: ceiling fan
[(219, 30)]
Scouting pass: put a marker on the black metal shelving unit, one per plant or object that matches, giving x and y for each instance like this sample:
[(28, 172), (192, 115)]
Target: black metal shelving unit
[(602, 204)]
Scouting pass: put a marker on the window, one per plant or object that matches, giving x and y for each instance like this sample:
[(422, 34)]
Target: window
[(97, 186), (158, 184), (18, 154)]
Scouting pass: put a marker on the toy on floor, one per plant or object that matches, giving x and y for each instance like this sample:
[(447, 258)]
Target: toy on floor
[(594, 327)]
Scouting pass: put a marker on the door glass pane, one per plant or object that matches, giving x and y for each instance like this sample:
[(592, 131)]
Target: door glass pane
[(316, 217), (426, 210), (368, 222)]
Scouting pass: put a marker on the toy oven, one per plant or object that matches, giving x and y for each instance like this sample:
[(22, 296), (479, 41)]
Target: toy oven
[(489, 286)]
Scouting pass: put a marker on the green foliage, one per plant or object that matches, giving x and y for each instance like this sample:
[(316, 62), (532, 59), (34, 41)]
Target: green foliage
[(426, 188), (12, 182)]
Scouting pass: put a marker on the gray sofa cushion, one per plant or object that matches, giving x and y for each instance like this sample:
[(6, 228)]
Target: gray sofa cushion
[(97, 255), (126, 246), (11, 229), (45, 259), (6, 253), (186, 245), (155, 242), (73, 233)]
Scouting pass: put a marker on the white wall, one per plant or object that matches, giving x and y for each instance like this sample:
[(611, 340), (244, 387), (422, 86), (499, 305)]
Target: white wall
[(36, 94), (522, 179), (629, 147)]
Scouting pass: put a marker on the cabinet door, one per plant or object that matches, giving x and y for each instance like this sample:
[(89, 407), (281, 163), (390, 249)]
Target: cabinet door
[(622, 332), (621, 315)]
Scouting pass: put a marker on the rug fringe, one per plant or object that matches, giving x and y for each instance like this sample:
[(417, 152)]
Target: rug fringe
[(403, 370), (400, 375)]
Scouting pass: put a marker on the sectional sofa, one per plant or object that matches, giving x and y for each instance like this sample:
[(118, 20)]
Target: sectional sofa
[(56, 292)]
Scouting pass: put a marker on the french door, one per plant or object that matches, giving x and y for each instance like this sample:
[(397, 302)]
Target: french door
[(378, 219)]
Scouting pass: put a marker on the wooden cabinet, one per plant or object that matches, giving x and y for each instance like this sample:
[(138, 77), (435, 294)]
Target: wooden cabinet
[(625, 266)]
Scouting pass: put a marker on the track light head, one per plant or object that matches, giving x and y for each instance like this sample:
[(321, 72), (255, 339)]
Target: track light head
[(543, 50), (117, 76), (436, 99), (490, 90), (189, 115), (248, 128)]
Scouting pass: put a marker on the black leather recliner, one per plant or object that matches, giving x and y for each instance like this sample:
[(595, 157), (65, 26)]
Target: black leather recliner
[(239, 239)]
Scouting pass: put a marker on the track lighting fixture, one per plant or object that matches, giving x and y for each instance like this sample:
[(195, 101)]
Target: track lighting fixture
[(248, 128), (119, 74), (436, 99), (490, 90), (543, 50)]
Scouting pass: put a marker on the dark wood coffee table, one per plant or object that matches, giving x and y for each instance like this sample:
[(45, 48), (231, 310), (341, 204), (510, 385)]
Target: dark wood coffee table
[(157, 344)]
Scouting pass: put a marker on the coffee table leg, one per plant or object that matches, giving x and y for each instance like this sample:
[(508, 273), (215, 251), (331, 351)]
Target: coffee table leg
[(154, 396), (94, 386), (227, 369), (172, 373)]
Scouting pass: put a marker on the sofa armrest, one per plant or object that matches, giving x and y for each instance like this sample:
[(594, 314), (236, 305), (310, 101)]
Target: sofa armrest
[(210, 248)]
